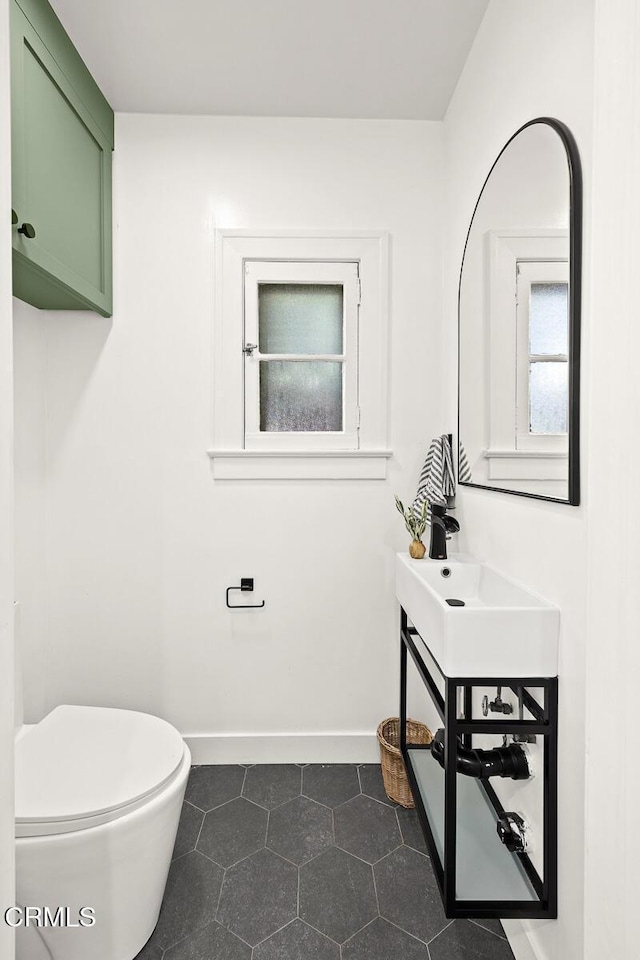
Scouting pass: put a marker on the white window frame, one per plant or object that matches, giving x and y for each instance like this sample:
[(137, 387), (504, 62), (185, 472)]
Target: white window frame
[(507, 460), (528, 272), (231, 454), (283, 272)]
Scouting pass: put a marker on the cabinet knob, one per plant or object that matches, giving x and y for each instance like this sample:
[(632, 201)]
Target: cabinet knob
[(28, 230), (14, 218)]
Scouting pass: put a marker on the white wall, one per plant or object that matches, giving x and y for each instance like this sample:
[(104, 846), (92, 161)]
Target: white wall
[(29, 346), (530, 60), (612, 840), (7, 885), (140, 542)]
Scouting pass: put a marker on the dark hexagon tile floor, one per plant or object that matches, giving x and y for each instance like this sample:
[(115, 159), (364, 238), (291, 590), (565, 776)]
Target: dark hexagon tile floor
[(233, 831), (337, 895), (259, 896), (380, 940), (214, 942), (300, 829), (305, 862), (330, 783), (272, 784), (210, 786), (190, 900), (494, 926), (150, 952), (297, 940), (372, 784), (411, 830), (465, 940), (366, 828), (408, 893)]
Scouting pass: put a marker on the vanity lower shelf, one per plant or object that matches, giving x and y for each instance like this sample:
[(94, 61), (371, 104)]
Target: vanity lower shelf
[(501, 875), (477, 874)]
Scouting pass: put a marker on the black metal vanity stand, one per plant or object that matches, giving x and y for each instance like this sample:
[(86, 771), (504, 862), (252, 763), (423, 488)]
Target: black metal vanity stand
[(477, 874)]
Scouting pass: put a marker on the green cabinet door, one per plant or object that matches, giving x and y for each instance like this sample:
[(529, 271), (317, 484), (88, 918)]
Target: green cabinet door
[(61, 158)]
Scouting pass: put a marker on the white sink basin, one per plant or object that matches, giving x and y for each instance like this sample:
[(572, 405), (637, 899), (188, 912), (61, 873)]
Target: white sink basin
[(502, 630)]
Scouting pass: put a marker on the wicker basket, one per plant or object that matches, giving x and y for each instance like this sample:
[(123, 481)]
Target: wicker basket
[(396, 784)]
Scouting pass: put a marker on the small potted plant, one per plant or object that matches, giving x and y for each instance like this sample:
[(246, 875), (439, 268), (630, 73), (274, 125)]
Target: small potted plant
[(416, 524)]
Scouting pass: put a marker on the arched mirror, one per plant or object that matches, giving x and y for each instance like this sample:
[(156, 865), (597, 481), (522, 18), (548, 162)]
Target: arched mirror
[(519, 321)]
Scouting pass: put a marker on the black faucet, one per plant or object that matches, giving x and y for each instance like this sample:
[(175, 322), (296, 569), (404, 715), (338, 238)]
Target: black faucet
[(442, 526)]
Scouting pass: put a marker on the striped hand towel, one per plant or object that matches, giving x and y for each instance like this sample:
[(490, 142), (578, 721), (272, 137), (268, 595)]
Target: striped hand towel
[(437, 479), (464, 470)]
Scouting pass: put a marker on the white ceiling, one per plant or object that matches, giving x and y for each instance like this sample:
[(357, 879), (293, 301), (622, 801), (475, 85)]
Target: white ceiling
[(295, 58)]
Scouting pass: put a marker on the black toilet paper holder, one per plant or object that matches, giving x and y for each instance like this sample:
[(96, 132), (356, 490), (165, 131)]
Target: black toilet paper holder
[(246, 586)]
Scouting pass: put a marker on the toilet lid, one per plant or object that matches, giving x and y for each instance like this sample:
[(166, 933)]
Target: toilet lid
[(82, 761)]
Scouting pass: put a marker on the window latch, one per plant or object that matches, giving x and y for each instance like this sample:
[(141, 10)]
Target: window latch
[(249, 348)]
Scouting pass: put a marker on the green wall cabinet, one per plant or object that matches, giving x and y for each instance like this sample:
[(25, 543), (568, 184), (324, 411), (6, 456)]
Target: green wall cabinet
[(62, 140)]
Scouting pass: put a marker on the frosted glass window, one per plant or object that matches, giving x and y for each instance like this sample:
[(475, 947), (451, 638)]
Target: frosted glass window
[(548, 305), (300, 318), (301, 395), (548, 397)]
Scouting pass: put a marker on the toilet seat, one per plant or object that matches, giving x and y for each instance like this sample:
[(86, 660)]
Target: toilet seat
[(82, 766)]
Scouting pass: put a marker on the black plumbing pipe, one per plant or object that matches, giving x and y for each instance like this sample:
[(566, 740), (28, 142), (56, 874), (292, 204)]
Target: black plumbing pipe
[(508, 761)]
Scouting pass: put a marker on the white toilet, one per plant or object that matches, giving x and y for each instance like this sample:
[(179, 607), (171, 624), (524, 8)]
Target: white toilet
[(98, 799)]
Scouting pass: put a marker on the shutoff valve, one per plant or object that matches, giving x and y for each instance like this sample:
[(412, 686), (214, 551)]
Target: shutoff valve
[(512, 831)]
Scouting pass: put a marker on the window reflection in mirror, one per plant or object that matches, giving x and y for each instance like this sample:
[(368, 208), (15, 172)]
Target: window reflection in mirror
[(519, 321)]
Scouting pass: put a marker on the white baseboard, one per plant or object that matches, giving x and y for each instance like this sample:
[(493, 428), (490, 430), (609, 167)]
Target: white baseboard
[(283, 748), (519, 940)]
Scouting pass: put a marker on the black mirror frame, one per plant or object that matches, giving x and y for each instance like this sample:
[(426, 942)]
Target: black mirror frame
[(575, 304)]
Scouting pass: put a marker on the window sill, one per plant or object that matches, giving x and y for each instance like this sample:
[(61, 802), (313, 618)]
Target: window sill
[(526, 464), (525, 454), (299, 465)]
